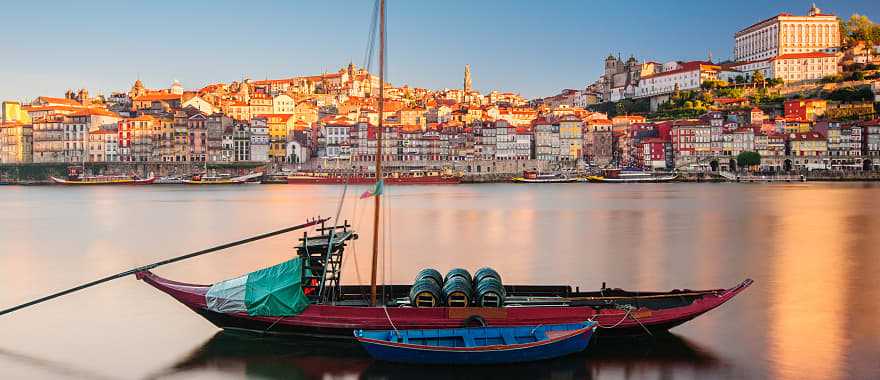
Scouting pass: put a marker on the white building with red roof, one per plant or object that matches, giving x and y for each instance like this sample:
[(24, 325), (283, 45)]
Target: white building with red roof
[(788, 34)]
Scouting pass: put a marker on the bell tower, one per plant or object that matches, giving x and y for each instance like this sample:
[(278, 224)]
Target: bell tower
[(467, 79)]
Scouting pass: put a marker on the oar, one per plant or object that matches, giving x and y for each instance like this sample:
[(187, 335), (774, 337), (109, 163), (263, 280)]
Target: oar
[(164, 262)]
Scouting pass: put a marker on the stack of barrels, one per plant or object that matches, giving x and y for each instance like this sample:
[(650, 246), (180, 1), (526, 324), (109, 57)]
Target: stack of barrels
[(457, 288)]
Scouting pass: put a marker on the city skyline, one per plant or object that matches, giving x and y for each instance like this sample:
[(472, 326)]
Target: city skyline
[(101, 46)]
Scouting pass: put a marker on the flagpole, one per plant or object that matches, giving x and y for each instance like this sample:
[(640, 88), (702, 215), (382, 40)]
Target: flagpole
[(378, 201)]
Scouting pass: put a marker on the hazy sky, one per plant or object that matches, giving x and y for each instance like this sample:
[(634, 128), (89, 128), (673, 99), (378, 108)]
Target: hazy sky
[(532, 47)]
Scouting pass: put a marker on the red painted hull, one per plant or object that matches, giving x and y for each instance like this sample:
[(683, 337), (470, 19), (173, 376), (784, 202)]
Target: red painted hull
[(358, 180), (341, 321)]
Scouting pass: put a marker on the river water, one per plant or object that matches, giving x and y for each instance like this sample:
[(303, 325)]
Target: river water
[(813, 250)]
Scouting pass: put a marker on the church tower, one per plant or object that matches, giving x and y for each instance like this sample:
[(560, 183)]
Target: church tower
[(467, 78)]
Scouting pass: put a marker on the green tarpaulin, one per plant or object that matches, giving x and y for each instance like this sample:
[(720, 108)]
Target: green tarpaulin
[(275, 291)]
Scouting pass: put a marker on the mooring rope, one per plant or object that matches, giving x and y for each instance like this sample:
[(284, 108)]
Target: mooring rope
[(629, 309)]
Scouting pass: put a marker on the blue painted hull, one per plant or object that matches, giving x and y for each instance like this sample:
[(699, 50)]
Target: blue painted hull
[(500, 354)]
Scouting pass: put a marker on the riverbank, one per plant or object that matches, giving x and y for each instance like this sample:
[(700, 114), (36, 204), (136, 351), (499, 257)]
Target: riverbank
[(38, 174)]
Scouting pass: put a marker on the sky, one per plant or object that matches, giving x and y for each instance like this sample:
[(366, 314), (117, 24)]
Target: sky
[(535, 48)]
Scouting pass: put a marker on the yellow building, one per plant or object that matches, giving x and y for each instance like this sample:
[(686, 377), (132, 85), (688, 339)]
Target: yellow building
[(16, 142), (12, 112), (279, 128), (571, 138)]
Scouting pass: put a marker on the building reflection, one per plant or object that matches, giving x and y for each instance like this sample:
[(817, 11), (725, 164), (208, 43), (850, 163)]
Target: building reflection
[(810, 271)]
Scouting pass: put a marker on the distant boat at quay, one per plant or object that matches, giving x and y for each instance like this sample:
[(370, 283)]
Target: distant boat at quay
[(532, 176), (617, 176), (75, 176), (412, 177), (221, 179)]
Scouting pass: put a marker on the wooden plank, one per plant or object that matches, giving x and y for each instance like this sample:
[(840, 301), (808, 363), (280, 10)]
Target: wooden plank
[(485, 312)]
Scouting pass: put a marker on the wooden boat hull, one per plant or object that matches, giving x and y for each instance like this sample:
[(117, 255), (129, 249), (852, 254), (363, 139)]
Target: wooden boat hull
[(126, 181), (565, 343), (599, 179), (333, 321), (547, 180), (360, 180)]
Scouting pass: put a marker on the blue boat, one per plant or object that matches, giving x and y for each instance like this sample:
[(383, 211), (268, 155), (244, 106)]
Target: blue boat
[(477, 345)]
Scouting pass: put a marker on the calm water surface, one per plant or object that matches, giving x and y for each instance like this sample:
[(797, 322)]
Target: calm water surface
[(813, 250)]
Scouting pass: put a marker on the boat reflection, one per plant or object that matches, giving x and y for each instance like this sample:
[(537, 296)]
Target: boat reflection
[(267, 357)]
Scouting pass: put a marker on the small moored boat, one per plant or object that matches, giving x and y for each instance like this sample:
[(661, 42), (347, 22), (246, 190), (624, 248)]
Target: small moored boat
[(531, 176), (76, 176), (221, 179), (616, 176), (477, 345)]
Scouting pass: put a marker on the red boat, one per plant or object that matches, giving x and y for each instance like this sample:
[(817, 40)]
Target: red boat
[(415, 177), (618, 311), (337, 310)]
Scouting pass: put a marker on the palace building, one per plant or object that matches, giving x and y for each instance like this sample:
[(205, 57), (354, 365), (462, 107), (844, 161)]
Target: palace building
[(788, 34)]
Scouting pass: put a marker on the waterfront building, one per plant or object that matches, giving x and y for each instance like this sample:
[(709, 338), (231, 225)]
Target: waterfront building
[(844, 145), (484, 140), (260, 141), (770, 146), (599, 141), (16, 142), (871, 141), (218, 127), (196, 134), (808, 150), (279, 126), (523, 146), (738, 141), (505, 140), (693, 140), (136, 138), (655, 153), (103, 145), (48, 138), (571, 138), (236, 142), (546, 139), (788, 34), (164, 144), (78, 125)]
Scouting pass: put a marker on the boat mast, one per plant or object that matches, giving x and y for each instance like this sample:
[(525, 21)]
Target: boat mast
[(378, 197)]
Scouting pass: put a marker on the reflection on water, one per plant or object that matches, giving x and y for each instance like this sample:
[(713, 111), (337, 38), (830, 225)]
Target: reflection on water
[(275, 358), (811, 248)]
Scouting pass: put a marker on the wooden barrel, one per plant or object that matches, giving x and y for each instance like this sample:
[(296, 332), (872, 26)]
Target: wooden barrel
[(459, 273), (485, 272), (457, 292), (425, 293), (490, 293), (430, 273)]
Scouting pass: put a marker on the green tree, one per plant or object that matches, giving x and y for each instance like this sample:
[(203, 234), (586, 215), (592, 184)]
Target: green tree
[(758, 77), (740, 79), (748, 159)]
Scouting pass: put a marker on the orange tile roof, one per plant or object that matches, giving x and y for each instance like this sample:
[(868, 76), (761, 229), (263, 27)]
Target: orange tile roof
[(66, 101), (157, 96)]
